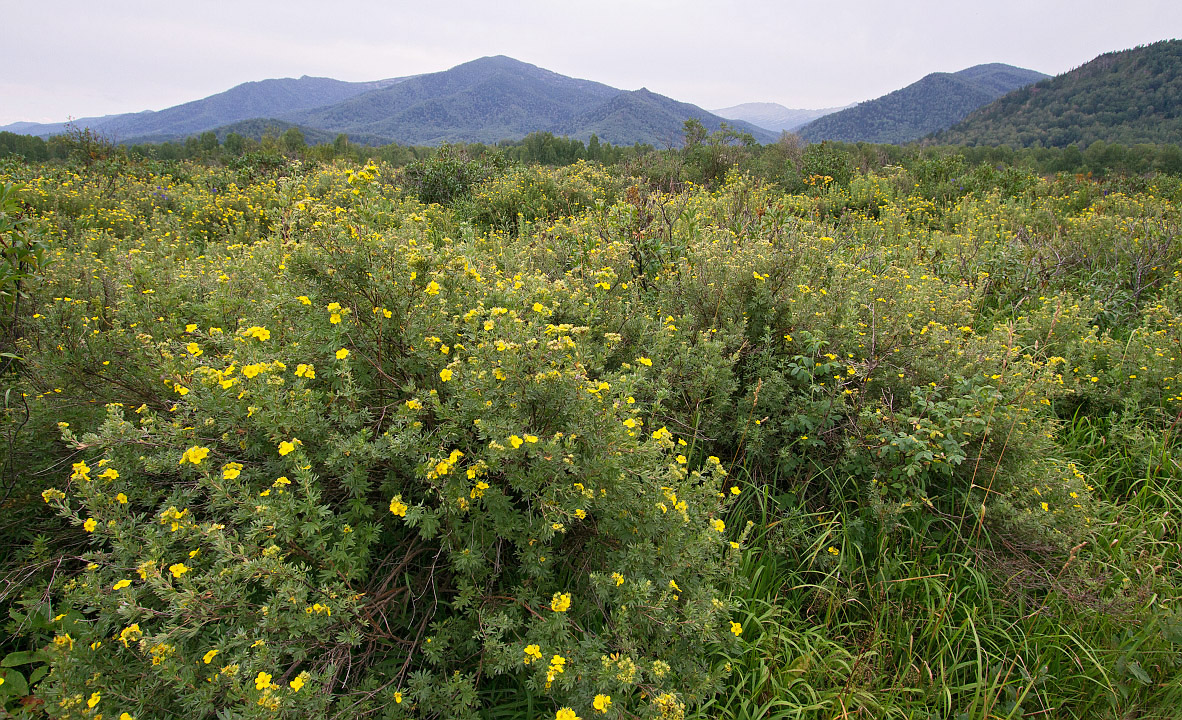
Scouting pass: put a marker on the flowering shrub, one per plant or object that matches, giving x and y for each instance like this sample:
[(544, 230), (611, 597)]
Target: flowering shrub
[(333, 450)]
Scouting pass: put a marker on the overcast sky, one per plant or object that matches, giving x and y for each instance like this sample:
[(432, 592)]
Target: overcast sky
[(76, 59)]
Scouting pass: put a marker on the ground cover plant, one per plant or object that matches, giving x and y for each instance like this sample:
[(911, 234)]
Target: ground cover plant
[(289, 439)]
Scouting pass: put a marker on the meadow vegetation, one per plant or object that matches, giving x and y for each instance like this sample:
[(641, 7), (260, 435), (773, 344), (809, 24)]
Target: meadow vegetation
[(721, 432)]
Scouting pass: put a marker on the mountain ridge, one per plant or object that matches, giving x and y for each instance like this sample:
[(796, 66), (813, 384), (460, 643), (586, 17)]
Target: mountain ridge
[(1126, 96), (774, 117), (933, 103), (487, 100)]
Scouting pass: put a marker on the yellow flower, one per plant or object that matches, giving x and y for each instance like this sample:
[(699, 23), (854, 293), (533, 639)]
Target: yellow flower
[(342, 353), (647, 363), (178, 569), (231, 471), (121, 584), (193, 349), (194, 455), (681, 460), (539, 307), (560, 602), (398, 507), (262, 680), (515, 441), (618, 578), (287, 447), (191, 327), (432, 288), (718, 524), (81, 471), (445, 374), (333, 306), (209, 656), (532, 653), (833, 551), (91, 524), (52, 494), (566, 714), (121, 499), (261, 333), (129, 634), (735, 490), (304, 300), (736, 628), (335, 318), (109, 474), (297, 682), (94, 699), (126, 716), (531, 438), (601, 703), (398, 697)]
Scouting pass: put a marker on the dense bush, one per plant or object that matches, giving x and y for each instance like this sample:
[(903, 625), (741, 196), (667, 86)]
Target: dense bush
[(310, 440)]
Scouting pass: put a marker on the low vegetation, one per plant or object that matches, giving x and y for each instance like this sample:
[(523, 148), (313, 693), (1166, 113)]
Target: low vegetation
[(727, 432)]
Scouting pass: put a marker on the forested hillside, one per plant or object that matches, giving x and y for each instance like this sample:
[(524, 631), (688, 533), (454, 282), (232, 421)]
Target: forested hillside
[(1128, 97), (936, 102)]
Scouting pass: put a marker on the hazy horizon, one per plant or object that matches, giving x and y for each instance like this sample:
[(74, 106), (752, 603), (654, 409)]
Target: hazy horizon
[(129, 56)]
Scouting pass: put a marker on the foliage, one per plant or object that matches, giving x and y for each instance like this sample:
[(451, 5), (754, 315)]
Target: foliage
[(469, 438), (1126, 97), (936, 102)]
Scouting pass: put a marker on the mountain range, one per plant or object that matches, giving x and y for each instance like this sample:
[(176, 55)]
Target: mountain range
[(1128, 97), (933, 103), (485, 100), (1131, 96), (774, 116)]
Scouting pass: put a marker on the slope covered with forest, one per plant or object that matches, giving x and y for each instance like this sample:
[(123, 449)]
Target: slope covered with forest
[(933, 103), (1132, 96)]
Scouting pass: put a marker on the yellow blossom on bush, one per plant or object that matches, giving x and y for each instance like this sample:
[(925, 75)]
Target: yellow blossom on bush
[(515, 441), (209, 656), (231, 470), (194, 455), (90, 525), (94, 699), (81, 471), (121, 584), (398, 507), (432, 288), (297, 682), (287, 446), (532, 653), (178, 569), (257, 332), (644, 361), (601, 703), (52, 494), (109, 474), (736, 628), (560, 602), (342, 353), (130, 634), (262, 680), (718, 524), (193, 349)]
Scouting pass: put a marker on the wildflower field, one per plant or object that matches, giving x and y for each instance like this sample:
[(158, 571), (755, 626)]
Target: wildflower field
[(284, 441)]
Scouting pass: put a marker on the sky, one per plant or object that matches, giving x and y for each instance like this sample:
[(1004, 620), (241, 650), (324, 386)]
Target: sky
[(67, 59)]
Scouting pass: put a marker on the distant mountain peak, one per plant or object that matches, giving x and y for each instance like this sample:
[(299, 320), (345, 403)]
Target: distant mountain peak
[(935, 102)]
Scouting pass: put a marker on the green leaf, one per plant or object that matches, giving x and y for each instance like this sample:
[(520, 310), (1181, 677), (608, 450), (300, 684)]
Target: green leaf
[(20, 657), (14, 683)]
